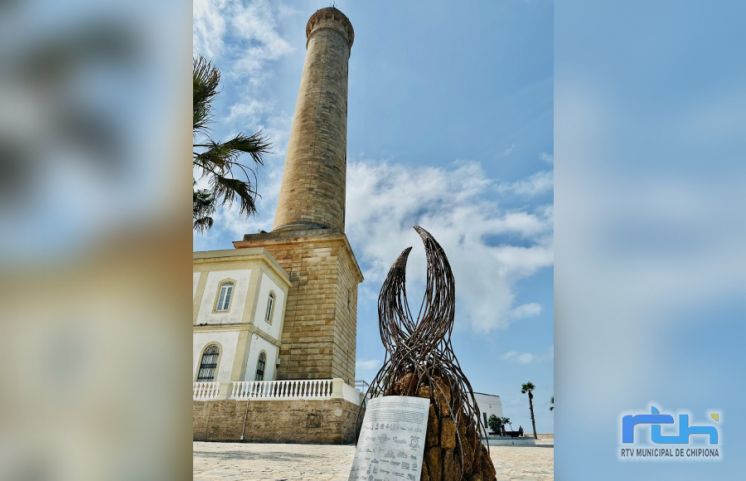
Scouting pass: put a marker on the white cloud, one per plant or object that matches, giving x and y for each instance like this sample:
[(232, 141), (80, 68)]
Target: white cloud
[(384, 201), (241, 40), (254, 26), (367, 364), (287, 10), (525, 310), (209, 27), (536, 184), (246, 34), (252, 108), (528, 357), (519, 357)]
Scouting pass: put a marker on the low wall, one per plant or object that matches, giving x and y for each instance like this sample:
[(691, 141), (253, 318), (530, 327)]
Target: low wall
[(524, 441), (328, 421)]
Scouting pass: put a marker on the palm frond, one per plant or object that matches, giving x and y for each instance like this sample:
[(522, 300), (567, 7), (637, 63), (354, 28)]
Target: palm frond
[(229, 190), (202, 224), (205, 81), (203, 202), (215, 158), (255, 145)]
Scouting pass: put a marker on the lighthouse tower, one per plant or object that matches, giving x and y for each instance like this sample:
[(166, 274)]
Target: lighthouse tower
[(308, 238), (313, 184)]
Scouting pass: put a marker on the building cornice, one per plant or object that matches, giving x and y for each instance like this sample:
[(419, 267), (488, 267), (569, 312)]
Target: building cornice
[(236, 255), (250, 328), (288, 236)]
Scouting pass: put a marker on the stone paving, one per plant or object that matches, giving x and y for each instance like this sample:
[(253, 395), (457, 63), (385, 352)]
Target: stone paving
[(311, 462)]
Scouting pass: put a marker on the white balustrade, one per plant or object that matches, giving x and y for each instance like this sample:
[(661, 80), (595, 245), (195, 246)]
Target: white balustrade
[(299, 389), (205, 391), (276, 390), (351, 394)]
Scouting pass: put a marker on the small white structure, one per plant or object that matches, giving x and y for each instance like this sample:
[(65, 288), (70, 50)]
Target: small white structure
[(489, 405)]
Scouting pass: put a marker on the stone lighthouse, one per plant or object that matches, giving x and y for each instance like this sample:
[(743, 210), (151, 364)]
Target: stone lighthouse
[(308, 239), (313, 185)]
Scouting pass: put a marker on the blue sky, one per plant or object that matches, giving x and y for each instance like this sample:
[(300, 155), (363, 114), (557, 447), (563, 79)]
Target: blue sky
[(450, 126)]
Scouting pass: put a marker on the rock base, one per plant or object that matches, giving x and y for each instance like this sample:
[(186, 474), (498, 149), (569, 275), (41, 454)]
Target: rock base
[(453, 447)]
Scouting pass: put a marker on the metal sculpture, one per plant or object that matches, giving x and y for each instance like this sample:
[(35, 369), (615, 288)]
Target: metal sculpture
[(420, 362)]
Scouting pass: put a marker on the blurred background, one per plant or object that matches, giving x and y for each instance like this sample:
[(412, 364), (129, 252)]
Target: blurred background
[(96, 240), (650, 258)]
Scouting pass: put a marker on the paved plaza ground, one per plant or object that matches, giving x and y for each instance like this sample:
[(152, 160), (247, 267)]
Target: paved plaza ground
[(312, 462)]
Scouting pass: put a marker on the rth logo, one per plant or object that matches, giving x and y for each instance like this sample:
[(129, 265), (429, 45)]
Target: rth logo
[(658, 435)]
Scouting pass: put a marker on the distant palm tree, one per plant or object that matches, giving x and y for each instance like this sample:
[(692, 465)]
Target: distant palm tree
[(506, 422), (217, 160), (528, 388), (494, 424), (551, 404)]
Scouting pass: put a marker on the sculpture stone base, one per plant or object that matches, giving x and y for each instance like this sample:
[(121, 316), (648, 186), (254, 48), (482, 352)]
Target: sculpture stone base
[(442, 461)]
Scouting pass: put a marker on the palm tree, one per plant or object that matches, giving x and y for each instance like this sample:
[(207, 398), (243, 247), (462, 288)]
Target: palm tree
[(494, 424), (218, 160), (528, 388), (506, 422)]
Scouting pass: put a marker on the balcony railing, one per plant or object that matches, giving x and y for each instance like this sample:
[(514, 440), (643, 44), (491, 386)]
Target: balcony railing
[(205, 391), (301, 389), (313, 389)]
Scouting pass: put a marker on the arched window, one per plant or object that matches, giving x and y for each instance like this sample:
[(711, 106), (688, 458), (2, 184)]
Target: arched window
[(224, 296), (209, 363), (270, 308), (260, 363)]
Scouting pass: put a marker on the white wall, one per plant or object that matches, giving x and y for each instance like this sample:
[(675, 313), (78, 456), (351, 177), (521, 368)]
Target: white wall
[(258, 345), (195, 281), (489, 404), (267, 285), (227, 341), (235, 312)]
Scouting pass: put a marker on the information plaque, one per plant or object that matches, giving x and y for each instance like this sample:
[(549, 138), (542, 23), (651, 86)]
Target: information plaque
[(392, 439)]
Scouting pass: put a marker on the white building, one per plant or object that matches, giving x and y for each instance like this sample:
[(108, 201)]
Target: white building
[(239, 310), (489, 405)]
